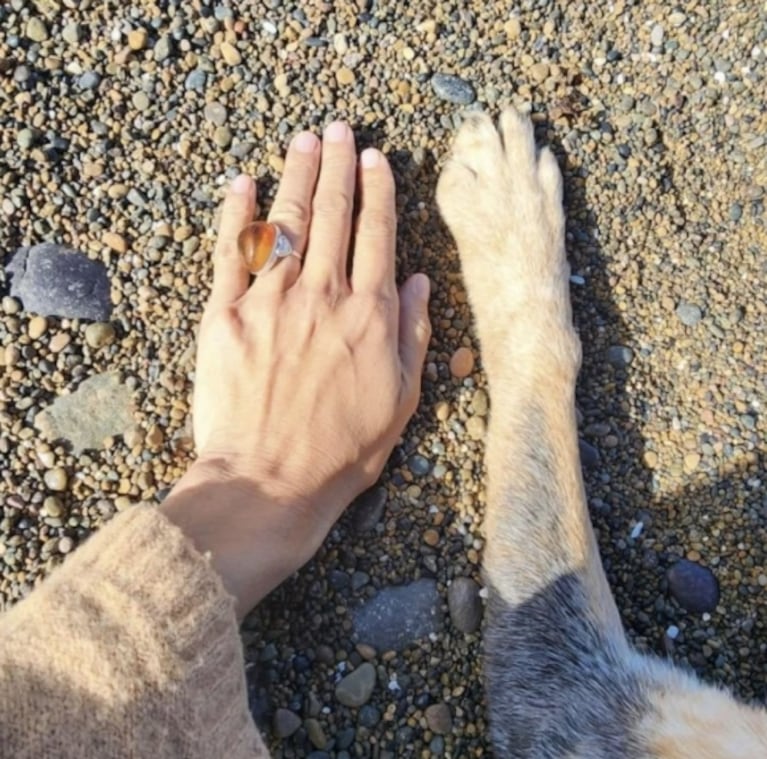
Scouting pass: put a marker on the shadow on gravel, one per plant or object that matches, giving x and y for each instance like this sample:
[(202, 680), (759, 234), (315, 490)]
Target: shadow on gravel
[(642, 533)]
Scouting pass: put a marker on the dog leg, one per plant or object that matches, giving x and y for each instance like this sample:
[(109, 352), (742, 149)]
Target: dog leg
[(561, 677)]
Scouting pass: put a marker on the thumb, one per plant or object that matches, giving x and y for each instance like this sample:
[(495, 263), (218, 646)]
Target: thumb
[(414, 328)]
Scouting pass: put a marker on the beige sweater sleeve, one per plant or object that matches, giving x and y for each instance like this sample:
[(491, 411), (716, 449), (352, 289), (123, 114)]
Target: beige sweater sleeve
[(129, 649)]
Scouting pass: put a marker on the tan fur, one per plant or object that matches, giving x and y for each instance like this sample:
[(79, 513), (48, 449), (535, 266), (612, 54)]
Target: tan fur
[(502, 200)]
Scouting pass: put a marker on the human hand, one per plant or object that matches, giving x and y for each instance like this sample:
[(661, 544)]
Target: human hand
[(306, 377)]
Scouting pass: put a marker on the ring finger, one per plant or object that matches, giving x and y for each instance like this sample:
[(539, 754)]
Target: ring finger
[(292, 208)]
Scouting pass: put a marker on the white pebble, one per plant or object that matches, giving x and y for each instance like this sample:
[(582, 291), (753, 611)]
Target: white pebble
[(637, 530), (672, 632)]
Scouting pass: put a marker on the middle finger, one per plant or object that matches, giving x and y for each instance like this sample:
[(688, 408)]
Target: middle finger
[(326, 258)]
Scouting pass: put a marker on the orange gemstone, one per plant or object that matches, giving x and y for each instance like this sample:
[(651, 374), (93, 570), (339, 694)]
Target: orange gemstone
[(256, 242)]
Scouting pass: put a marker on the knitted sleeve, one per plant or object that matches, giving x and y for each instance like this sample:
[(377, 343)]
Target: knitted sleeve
[(129, 649)]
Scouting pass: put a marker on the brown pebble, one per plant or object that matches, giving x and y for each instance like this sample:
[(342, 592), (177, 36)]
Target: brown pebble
[(431, 537), (155, 437), (115, 241), (439, 719), (37, 327), (461, 363), (691, 461), (442, 410), (345, 76), (476, 427), (58, 342), (137, 39), (230, 54)]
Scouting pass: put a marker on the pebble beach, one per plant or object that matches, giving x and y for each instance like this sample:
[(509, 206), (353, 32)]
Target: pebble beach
[(120, 126)]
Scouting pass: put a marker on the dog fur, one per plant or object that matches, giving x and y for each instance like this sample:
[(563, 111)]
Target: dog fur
[(562, 679)]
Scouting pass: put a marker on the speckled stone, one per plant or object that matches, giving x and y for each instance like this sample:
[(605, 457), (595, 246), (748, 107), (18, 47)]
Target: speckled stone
[(55, 281)]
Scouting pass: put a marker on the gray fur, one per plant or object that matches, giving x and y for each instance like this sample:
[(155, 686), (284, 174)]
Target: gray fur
[(555, 686)]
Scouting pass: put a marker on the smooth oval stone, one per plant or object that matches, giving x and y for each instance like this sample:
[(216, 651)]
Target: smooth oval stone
[(695, 588), (453, 89)]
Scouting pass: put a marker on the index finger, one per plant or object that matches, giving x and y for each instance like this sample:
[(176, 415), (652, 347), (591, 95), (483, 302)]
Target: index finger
[(230, 275)]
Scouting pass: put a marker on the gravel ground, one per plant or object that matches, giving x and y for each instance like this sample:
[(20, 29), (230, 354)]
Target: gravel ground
[(121, 122)]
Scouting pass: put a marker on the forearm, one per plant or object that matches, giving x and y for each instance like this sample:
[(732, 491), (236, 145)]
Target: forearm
[(130, 648)]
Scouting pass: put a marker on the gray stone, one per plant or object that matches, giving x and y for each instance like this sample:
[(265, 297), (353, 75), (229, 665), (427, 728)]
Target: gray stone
[(736, 211), (356, 688), (37, 31), (56, 281), (216, 113), (71, 33), (694, 588), (464, 604), (397, 616), (163, 49), (589, 454), (453, 89), (99, 408), (90, 80), (26, 138), (619, 356), (286, 723), (688, 313), (196, 80), (367, 508)]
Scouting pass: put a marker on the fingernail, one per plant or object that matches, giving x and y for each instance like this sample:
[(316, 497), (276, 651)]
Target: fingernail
[(241, 185), (369, 158), (421, 286), (337, 132), (305, 142)]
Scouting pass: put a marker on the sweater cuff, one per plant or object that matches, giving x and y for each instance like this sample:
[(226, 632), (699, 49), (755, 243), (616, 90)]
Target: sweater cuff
[(175, 621)]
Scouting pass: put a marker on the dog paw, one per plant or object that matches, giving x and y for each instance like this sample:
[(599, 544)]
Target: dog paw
[(502, 201)]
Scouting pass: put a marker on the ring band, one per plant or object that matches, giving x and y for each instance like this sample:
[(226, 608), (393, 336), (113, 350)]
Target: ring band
[(262, 244)]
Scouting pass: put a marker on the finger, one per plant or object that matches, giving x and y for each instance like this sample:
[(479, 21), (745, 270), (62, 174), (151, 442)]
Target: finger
[(325, 264), (414, 332), (375, 239), (292, 208), (230, 275)]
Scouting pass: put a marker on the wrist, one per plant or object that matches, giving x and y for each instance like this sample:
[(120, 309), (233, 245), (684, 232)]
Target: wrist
[(255, 535)]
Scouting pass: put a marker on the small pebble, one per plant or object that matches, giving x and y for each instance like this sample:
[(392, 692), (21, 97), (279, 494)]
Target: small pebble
[(461, 363)]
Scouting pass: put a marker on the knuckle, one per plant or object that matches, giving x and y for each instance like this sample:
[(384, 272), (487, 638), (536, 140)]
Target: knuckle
[(377, 223), (290, 211), (333, 205)]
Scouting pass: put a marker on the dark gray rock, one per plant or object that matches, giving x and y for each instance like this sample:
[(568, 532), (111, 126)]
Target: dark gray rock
[(453, 89), (688, 313), (55, 281), (693, 587), (589, 454), (369, 716), (366, 509), (398, 616), (419, 465), (286, 723), (464, 604), (619, 356)]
